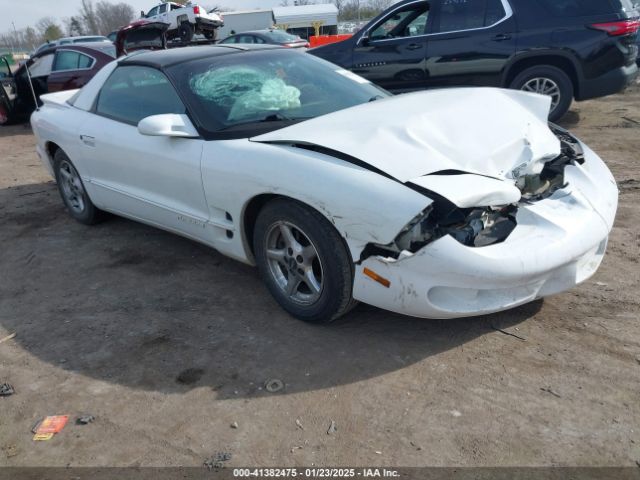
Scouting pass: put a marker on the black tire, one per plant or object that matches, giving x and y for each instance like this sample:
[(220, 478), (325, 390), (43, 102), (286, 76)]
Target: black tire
[(211, 34), (526, 79), (332, 266), (185, 32), (69, 183)]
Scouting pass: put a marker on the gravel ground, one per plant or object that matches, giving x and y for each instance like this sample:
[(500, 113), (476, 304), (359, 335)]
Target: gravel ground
[(168, 344)]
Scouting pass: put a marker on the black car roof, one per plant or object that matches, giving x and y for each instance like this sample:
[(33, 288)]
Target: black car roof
[(174, 56)]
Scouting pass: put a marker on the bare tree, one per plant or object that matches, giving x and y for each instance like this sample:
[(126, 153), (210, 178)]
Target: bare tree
[(380, 5), (73, 26), (219, 8), (89, 18), (286, 3), (49, 29), (76, 27), (112, 16)]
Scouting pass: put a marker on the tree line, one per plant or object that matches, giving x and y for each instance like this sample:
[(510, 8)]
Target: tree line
[(103, 17), (93, 18)]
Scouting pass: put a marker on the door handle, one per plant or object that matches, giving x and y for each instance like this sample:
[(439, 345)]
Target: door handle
[(414, 46), (501, 37)]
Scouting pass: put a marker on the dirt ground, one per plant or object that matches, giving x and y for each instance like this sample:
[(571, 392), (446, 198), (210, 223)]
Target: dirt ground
[(167, 343)]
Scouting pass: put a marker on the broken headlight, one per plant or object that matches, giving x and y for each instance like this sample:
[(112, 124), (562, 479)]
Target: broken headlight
[(473, 227), (551, 179)]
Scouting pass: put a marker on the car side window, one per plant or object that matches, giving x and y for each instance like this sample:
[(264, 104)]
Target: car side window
[(458, 15), (5, 70), (246, 39), (84, 61), (41, 66), (258, 40), (406, 22), (163, 8), (68, 60), (230, 40), (153, 12), (132, 93)]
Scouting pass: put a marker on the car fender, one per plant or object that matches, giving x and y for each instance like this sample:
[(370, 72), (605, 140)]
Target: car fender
[(540, 53), (364, 206)]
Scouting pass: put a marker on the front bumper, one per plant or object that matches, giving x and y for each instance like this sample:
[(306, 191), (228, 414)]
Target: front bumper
[(559, 242), (608, 84)]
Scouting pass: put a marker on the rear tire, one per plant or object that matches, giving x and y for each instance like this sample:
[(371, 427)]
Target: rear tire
[(547, 80), (72, 191), (303, 261), (185, 32), (211, 34)]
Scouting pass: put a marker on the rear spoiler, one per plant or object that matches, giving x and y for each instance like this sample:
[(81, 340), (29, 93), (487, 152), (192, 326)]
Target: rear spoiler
[(58, 99)]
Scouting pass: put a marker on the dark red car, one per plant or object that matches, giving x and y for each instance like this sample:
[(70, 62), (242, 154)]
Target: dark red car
[(63, 67), (141, 35)]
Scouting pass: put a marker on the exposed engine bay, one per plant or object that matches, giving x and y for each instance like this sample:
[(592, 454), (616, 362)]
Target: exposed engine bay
[(480, 227)]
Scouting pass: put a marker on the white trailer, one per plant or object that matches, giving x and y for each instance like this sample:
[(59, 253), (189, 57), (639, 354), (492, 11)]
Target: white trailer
[(244, 21), (306, 20)]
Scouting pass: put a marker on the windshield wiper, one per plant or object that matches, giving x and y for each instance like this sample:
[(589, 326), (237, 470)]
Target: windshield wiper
[(273, 117)]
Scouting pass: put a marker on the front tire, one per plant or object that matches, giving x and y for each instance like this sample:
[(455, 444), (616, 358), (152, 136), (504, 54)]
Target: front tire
[(72, 191), (303, 261), (547, 80)]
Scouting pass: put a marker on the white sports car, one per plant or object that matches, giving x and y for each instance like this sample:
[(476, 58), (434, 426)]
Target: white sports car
[(435, 204)]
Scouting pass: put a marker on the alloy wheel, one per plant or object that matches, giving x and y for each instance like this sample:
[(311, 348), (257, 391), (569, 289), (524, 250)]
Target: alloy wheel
[(544, 86), (72, 188), (294, 263)]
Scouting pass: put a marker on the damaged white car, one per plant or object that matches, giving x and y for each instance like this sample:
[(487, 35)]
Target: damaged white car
[(435, 204)]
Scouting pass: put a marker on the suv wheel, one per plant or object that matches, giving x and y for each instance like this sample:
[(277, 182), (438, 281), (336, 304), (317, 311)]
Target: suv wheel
[(547, 80), (303, 261)]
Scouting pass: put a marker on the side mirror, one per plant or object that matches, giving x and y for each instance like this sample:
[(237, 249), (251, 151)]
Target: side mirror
[(168, 125), (142, 14), (364, 40)]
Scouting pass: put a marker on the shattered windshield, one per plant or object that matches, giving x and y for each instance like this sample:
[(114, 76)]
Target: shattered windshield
[(240, 90)]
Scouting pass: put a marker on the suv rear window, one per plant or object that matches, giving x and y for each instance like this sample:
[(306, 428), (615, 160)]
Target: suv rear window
[(583, 8), (458, 15)]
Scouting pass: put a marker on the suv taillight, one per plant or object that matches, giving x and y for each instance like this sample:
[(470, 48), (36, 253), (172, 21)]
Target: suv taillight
[(615, 29), (196, 10)]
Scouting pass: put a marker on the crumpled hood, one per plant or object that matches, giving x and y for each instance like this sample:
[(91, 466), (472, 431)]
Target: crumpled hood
[(487, 131)]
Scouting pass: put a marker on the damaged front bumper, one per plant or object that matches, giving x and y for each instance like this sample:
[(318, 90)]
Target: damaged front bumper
[(558, 243)]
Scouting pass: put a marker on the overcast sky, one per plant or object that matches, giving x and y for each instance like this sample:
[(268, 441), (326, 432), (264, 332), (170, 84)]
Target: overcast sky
[(28, 12)]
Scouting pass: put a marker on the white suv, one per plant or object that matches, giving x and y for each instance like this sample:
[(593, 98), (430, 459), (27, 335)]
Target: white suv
[(71, 40), (186, 20)]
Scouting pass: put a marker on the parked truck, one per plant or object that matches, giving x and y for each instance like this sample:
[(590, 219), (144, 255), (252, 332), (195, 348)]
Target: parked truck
[(185, 21)]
